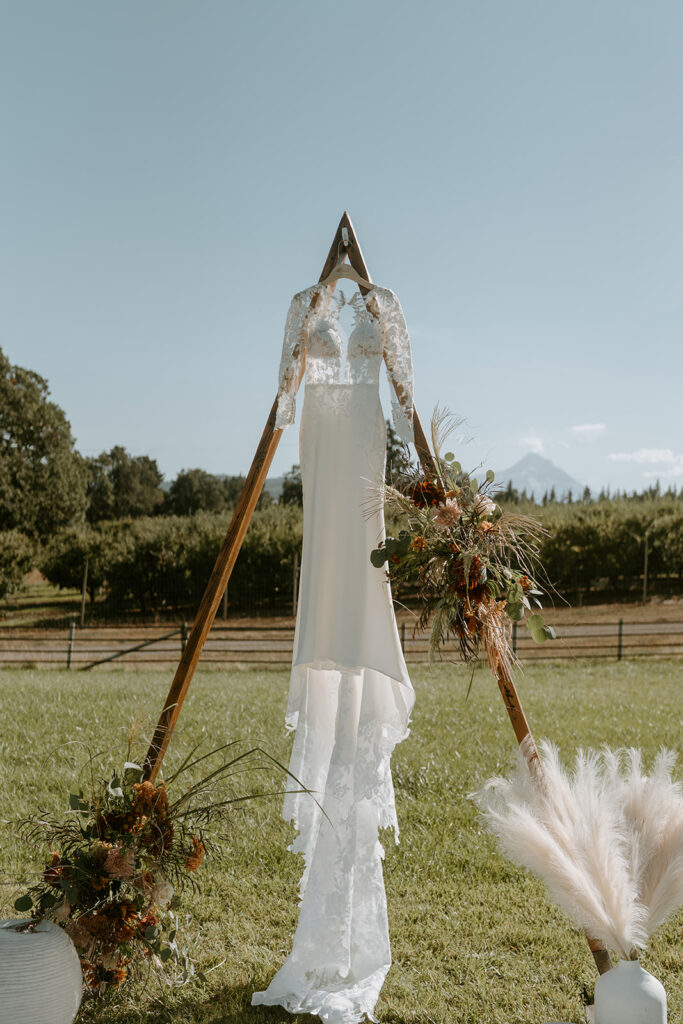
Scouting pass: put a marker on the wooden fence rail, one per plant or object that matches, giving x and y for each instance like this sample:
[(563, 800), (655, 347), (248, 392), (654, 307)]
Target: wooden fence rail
[(88, 647)]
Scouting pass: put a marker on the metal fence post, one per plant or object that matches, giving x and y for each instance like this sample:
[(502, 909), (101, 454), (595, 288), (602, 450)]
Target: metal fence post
[(620, 639), (403, 637), (514, 636), (183, 637), (72, 638)]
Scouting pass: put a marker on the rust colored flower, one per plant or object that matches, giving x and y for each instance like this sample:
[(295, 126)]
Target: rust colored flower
[(78, 934), (418, 543), (525, 582), (96, 924), (197, 855), (395, 559), (120, 862), (138, 824), (144, 793), (425, 493), (118, 976), (53, 872), (123, 931)]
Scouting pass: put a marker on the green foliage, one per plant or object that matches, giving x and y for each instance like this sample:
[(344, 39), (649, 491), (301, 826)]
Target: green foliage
[(195, 490), (16, 559), (42, 476), (398, 465), (122, 485), (292, 492), (62, 560), (603, 543), (164, 562)]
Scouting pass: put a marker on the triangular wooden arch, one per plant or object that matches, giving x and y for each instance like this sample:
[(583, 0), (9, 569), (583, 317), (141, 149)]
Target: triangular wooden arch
[(345, 243)]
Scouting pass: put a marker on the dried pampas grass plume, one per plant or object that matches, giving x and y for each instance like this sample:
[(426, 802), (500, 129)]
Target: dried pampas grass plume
[(607, 840)]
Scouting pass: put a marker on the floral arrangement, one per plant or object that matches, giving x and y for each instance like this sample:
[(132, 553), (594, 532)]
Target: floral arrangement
[(475, 565), (120, 860)]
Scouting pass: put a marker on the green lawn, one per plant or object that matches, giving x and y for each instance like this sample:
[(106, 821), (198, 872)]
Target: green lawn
[(474, 939)]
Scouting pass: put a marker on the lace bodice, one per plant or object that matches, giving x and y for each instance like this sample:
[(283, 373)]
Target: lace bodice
[(313, 344)]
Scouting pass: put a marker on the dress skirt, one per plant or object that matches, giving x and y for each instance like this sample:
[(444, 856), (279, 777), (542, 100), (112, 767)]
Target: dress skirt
[(350, 700)]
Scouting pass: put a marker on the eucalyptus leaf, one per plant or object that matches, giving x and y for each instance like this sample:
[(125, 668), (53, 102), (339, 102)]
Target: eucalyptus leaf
[(490, 475), (449, 456), (23, 903), (515, 611), (474, 486), (378, 557)]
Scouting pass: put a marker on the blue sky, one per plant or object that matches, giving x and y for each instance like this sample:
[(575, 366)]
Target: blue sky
[(173, 172)]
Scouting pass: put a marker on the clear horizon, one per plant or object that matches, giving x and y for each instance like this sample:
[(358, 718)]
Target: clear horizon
[(174, 173)]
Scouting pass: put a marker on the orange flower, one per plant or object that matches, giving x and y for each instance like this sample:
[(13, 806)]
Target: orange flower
[(144, 793), (424, 493), (197, 855), (418, 543), (53, 873)]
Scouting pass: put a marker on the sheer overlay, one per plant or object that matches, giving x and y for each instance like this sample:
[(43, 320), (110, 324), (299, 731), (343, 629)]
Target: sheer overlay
[(350, 694)]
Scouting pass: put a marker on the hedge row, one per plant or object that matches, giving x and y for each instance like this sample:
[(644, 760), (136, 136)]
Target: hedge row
[(163, 563)]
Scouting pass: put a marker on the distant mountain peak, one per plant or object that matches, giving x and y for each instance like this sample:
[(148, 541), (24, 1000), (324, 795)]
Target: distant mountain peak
[(535, 474)]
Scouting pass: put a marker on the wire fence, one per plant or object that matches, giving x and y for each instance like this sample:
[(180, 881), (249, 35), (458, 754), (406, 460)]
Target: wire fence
[(271, 643)]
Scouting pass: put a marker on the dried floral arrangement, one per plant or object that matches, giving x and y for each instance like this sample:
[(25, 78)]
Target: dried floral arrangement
[(476, 566), (606, 838), (122, 857)]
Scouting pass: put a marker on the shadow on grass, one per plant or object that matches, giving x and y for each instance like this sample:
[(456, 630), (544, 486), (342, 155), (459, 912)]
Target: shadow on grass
[(228, 1005)]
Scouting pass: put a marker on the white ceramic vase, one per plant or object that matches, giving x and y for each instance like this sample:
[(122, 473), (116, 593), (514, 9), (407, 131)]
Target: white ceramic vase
[(628, 994), (40, 974)]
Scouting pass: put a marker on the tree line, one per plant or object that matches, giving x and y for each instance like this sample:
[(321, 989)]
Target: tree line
[(151, 550)]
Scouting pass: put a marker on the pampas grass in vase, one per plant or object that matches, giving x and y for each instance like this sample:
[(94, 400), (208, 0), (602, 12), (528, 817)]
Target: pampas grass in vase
[(607, 840)]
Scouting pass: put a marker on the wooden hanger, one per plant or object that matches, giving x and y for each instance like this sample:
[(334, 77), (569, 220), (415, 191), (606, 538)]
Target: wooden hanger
[(343, 269), (346, 270)]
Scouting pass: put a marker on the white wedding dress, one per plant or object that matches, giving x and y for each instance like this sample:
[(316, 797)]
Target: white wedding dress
[(350, 694)]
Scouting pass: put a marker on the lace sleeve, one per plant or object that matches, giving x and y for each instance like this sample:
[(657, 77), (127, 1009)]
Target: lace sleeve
[(399, 363), (292, 362)]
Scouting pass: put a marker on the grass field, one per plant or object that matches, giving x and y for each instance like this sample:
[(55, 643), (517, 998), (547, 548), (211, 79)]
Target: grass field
[(475, 940)]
